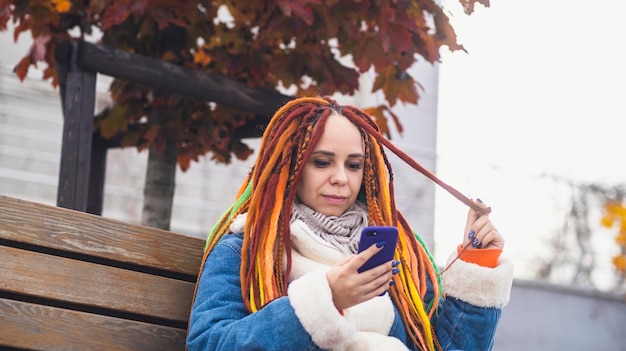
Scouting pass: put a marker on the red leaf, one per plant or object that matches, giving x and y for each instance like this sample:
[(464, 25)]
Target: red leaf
[(184, 161), (120, 10), (21, 69), (300, 8)]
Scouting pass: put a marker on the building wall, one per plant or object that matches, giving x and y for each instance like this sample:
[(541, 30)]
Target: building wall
[(547, 317)]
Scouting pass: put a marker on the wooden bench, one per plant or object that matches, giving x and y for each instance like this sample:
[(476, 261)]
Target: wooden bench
[(74, 281)]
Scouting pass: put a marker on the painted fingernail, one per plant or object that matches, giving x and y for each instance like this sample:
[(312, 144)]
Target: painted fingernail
[(475, 242), (479, 200), (471, 234), (395, 263), (380, 244), (480, 245), (392, 283), (395, 271)]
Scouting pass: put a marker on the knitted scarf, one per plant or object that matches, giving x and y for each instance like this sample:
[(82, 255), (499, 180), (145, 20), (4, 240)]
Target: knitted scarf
[(341, 232)]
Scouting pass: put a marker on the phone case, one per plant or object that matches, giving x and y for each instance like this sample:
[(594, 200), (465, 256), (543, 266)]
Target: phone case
[(372, 235)]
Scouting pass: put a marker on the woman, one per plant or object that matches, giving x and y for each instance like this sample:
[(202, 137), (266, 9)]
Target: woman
[(280, 267)]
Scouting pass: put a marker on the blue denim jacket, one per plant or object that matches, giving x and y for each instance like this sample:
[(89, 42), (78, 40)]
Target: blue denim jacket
[(220, 321)]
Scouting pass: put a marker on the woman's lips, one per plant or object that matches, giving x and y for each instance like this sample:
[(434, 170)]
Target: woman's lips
[(334, 199)]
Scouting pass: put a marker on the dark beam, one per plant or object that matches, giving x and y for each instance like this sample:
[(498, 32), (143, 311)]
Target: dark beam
[(78, 90), (174, 78)]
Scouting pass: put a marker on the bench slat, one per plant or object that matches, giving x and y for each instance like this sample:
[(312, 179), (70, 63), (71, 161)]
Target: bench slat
[(37, 327), (77, 282), (73, 231)]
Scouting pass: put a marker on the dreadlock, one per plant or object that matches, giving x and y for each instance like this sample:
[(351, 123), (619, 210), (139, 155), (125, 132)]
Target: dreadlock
[(268, 193)]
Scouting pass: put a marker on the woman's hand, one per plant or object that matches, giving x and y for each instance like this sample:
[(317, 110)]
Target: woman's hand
[(480, 232), (349, 287)]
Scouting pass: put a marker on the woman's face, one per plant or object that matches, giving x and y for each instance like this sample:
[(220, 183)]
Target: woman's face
[(332, 177)]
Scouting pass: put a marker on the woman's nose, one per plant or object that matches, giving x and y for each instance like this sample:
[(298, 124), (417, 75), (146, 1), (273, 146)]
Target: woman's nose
[(339, 176)]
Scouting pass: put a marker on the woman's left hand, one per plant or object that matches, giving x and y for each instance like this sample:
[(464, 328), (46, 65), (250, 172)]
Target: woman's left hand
[(480, 232)]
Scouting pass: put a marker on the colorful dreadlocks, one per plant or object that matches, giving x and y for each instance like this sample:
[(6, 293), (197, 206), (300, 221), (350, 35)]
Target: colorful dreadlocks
[(267, 196)]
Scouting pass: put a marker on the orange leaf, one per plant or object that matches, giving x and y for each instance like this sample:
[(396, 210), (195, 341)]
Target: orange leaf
[(62, 6), (202, 57), (184, 161), (379, 117)]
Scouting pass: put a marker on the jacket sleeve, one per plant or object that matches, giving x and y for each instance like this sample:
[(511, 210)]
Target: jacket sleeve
[(219, 319), (474, 298)]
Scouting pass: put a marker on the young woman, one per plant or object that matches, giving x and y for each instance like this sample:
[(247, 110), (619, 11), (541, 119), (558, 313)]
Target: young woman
[(280, 270)]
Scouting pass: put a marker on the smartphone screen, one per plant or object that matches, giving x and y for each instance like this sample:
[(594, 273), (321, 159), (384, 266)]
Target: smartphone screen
[(370, 236)]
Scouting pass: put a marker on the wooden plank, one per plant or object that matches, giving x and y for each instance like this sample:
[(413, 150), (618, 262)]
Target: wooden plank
[(77, 232), (92, 285), (36, 327)]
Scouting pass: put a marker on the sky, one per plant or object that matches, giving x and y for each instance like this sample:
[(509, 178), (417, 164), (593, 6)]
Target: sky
[(536, 102)]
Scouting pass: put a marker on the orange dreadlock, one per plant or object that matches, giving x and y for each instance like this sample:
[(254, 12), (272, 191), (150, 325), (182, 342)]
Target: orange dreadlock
[(267, 196)]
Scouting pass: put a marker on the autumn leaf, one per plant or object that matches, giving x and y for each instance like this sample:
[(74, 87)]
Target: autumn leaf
[(299, 43), (300, 8), (620, 263), (113, 122), (21, 69), (62, 6), (379, 113), (202, 58), (379, 117), (396, 86), (184, 161), (119, 11)]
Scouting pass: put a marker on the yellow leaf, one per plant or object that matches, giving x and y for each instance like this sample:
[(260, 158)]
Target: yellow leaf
[(606, 221), (621, 239), (62, 6), (620, 263)]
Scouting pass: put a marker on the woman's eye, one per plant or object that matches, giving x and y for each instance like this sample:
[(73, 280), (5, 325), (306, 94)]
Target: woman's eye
[(321, 163), (354, 166)]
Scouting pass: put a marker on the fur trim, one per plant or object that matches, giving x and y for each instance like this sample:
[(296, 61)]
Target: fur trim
[(239, 223), (368, 341), (375, 315), (312, 300), (477, 285)]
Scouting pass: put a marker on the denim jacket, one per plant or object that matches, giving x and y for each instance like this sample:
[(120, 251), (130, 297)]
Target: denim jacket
[(306, 319)]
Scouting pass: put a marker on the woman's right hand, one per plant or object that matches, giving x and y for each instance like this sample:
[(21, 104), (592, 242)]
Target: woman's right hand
[(349, 287)]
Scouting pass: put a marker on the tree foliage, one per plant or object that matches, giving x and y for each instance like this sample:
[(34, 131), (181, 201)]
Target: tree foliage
[(574, 256), (316, 47), (615, 217)]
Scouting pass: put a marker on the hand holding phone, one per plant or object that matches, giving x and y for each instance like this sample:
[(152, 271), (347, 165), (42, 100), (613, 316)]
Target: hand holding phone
[(372, 235)]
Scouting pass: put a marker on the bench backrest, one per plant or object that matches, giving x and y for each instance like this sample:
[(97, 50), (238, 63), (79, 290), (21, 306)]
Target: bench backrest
[(74, 281)]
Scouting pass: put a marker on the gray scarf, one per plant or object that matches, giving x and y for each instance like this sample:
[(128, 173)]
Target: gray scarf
[(342, 232)]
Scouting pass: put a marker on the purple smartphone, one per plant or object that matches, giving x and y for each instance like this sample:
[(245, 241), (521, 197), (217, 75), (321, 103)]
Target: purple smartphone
[(370, 236)]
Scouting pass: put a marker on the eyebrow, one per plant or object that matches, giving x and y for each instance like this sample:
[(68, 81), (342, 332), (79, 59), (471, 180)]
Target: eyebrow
[(329, 153)]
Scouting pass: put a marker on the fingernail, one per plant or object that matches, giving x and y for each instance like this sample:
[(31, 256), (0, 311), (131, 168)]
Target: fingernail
[(380, 244), (395, 271), (395, 263), (392, 283), (479, 245), (475, 242), (479, 200), (471, 234)]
